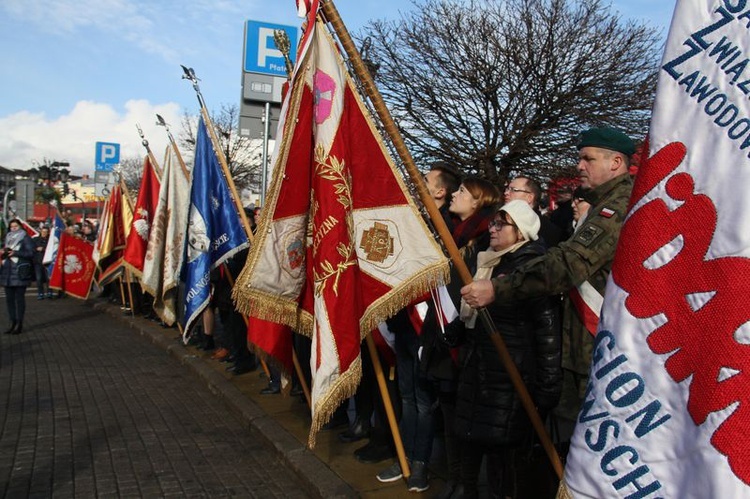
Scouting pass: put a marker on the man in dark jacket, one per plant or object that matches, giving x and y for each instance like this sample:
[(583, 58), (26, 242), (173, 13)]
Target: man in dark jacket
[(529, 190), (40, 246)]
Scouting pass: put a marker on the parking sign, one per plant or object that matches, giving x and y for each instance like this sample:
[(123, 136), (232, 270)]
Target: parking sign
[(261, 54), (107, 156)]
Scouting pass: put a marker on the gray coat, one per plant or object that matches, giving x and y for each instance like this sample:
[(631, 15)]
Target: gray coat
[(9, 269)]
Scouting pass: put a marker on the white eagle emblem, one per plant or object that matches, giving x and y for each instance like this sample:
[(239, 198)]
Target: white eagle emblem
[(72, 264), (141, 225)]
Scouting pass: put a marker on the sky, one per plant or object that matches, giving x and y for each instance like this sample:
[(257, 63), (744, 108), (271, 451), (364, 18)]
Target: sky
[(73, 73)]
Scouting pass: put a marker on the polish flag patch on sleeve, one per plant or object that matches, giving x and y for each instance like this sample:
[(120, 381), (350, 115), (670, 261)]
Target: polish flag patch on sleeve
[(607, 213)]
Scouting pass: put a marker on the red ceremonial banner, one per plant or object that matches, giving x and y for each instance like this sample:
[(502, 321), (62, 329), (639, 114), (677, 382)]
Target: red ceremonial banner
[(74, 267)]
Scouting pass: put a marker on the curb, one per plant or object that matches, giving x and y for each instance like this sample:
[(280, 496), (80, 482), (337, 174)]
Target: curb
[(318, 479)]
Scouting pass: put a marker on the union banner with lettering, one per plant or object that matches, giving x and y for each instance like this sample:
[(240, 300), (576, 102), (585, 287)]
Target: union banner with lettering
[(341, 245), (667, 409)]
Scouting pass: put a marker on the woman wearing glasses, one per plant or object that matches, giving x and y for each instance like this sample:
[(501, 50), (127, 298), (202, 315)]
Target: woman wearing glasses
[(489, 417)]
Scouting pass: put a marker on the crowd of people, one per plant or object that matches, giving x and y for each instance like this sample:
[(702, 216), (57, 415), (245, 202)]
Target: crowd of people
[(532, 271), (534, 274)]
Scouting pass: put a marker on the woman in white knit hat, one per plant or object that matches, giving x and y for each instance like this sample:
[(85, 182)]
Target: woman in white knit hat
[(489, 417)]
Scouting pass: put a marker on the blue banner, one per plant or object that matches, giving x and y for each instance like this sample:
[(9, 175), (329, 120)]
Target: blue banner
[(53, 243), (215, 231)]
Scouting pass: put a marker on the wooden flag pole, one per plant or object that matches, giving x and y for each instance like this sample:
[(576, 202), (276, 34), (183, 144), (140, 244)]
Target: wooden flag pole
[(130, 291), (301, 377), (390, 413), (332, 16), (122, 292)]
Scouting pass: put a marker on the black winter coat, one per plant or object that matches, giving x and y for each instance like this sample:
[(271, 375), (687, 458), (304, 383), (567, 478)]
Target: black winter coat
[(436, 362), (9, 269), (488, 408)]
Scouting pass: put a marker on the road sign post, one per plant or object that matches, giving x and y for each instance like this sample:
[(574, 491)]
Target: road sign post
[(264, 73)]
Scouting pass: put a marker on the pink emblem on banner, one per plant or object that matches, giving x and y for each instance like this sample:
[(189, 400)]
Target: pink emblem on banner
[(325, 88)]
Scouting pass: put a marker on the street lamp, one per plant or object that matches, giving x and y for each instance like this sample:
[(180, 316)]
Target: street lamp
[(49, 174)]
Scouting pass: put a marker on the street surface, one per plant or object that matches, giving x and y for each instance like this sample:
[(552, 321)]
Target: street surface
[(90, 409)]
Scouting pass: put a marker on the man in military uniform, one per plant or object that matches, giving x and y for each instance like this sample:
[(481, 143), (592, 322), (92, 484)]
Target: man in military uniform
[(578, 267)]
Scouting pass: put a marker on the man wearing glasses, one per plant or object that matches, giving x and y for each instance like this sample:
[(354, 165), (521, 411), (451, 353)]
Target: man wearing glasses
[(578, 267), (530, 191)]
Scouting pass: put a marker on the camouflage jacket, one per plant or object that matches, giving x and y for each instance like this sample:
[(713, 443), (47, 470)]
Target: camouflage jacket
[(586, 256)]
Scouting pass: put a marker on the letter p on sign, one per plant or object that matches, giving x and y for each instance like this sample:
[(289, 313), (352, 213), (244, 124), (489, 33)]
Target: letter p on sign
[(107, 156)]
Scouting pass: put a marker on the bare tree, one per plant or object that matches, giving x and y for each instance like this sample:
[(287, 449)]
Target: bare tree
[(243, 154), (131, 170), (501, 88)]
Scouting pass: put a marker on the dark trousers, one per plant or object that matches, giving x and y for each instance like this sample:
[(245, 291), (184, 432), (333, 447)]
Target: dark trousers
[(41, 278), (447, 401), (417, 399), (16, 302), (471, 462)]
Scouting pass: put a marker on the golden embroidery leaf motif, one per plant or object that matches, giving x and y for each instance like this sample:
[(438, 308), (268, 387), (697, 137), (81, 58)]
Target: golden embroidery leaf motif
[(330, 168)]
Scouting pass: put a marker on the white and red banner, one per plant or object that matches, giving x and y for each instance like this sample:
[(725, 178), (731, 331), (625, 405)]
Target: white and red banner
[(341, 245), (143, 218), (667, 410)]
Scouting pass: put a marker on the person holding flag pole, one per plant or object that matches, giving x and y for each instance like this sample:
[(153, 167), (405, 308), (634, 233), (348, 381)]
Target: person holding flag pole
[(333, 17)]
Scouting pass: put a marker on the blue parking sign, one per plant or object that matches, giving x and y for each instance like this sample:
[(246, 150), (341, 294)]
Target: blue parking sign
[(261, 54), (107, 156)]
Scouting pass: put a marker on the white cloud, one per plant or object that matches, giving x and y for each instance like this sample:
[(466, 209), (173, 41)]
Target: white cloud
[(27, 137)]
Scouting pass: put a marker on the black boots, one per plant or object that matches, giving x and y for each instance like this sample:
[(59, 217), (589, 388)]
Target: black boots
[(358, 430), (15, 328)]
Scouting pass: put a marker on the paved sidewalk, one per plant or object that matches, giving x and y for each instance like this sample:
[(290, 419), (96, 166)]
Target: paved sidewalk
[(88, 409)]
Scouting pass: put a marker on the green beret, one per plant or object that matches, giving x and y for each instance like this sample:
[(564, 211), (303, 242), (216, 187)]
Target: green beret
[(607, 138)]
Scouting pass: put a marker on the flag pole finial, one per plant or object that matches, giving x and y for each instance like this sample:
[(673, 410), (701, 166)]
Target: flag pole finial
[(189, 74), (144, 142), (284, 45), (161, 122), (150, 154)]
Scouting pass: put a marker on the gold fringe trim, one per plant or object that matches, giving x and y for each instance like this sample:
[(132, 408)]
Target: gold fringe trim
[(269, 307), (405, 293), (344, 387), (562, 491)]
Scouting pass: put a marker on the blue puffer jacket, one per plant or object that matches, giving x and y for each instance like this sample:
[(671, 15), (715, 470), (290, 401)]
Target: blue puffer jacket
[(9, 269)]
